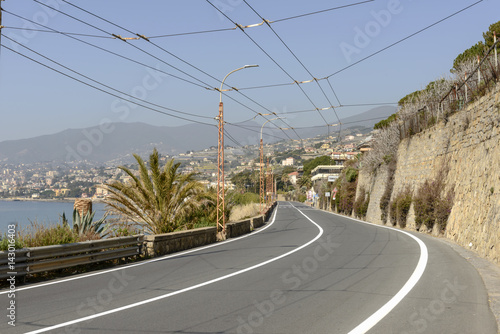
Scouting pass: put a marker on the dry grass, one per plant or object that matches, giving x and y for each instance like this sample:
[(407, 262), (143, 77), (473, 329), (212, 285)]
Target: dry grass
[(240, 212)]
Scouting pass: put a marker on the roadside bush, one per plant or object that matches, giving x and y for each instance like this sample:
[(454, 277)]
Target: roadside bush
[(392, 212), (361, 203), (403, 203), (431, 205), (346, 188), (443, 209), (4, 243), (37, 235), (425, 200)]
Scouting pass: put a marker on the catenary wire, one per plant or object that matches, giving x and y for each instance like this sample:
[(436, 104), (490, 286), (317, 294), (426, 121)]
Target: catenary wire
[(171, 54), (143, 64), (301, 63), (405, 38), (136, 103), (267, 54), (104, 85), (66, 33), (104, 91), (110, 52)]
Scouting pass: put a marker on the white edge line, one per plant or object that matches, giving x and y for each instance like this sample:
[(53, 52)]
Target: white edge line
[(372, 320), (141, 263), (147, 301)]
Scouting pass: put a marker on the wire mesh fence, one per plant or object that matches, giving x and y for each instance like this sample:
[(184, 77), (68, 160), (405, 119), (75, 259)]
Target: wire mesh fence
[(443, 97)]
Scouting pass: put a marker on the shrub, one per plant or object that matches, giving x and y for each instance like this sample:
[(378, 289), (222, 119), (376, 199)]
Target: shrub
[(443, 209), (4, 243), (403, 203), (431, 205), (361, 204), (351, 174), (425, 199), (392, 212)]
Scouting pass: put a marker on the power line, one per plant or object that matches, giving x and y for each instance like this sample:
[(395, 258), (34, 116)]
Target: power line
[(320, 11), (267, 54), (403, 39), (178, 58), (123, 39), (302, 64), (104, 91), (110, 52), (192, 33), (65, 33), (104, 85), (140, 63)]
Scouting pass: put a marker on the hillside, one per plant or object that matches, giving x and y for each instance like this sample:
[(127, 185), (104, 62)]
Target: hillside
[(119, 140)]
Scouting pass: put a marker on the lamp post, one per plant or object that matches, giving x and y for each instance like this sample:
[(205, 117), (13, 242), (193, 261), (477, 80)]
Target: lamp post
[(262, 164), (221, 220)]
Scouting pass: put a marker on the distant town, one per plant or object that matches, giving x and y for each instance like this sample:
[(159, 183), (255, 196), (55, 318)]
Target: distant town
[(50, 181)]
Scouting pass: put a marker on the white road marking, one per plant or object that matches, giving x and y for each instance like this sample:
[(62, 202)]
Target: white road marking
[(147, 301), (372, 320)]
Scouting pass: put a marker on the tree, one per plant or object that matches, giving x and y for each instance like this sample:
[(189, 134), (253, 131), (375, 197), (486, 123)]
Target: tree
[(158, 200), (488, 35), (470, 54)]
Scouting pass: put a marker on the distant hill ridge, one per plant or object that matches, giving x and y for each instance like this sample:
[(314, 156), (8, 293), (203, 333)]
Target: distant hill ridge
[(120, 140)]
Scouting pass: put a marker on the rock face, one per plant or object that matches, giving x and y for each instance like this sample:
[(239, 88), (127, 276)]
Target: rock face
[(468, 145)]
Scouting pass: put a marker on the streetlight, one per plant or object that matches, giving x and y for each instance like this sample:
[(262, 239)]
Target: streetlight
[(262, 164), (221, 220)]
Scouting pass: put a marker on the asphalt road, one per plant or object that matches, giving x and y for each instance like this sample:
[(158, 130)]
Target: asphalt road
[(306, 271)]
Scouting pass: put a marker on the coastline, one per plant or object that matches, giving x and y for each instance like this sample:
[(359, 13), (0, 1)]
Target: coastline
[(60, 200)]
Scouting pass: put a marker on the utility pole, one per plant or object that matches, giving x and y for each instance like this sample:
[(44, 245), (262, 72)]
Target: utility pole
[(221, 220), (221, 217), (261, 176)]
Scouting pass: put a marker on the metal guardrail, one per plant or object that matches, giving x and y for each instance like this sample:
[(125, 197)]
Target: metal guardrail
[(39, 259)]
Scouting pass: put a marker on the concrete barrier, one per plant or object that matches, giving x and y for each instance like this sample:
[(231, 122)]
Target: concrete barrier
[(161, 244)]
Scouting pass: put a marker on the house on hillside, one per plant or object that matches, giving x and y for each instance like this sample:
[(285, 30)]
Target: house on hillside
[(288, 161), (327, 173), (293, 177)]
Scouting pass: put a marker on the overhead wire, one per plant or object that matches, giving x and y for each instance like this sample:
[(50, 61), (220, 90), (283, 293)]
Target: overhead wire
[(51, 31), (110, 52), (104, 91), (404, 39), (302, 64), (170, 53), (105, 85), (120, 97), (264, 51), (140, 62)]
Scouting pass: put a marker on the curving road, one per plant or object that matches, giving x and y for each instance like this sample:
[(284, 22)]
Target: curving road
[(306, 271)]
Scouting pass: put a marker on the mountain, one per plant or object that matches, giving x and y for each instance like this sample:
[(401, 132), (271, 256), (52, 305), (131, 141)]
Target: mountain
[(366, 119), (119, 140)]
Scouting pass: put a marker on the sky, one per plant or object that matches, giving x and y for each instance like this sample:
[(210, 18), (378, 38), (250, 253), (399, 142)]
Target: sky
[(36, 100)]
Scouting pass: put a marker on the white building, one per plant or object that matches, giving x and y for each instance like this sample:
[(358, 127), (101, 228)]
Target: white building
[(288, 161)]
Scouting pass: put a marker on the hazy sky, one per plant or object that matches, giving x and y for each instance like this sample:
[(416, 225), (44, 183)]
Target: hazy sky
[(36, 100)]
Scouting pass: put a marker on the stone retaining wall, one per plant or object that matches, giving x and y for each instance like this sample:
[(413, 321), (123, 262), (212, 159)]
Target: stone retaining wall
[(469, 146)]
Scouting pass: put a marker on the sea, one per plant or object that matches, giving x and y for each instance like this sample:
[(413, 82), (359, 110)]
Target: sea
[(44, 213)]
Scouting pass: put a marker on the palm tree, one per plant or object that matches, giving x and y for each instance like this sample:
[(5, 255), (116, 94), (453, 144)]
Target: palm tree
[(158, 200)]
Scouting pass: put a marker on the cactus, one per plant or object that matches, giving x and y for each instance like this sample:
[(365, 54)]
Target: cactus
[(84, 224)]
